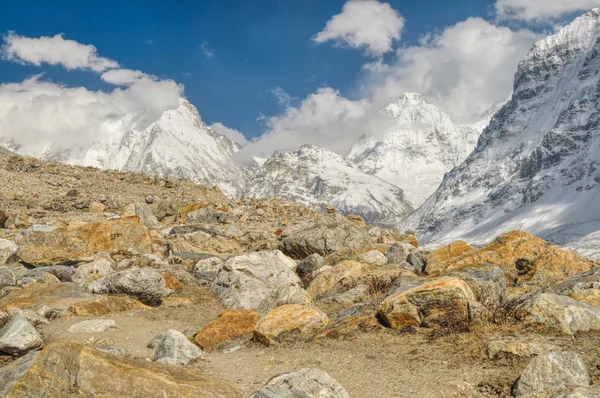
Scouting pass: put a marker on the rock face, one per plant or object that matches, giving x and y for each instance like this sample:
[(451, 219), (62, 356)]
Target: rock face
[(290, 318), (19, 336), (174, 348), (560, 312), (438, 260), (323, 236), (316, 177), (306, 383), (524, 259), (534, 166), (63, 365), (50, 248), (444, 301), (229, 325), (552, 371), (418, 146), (144, 283), (245, 281)]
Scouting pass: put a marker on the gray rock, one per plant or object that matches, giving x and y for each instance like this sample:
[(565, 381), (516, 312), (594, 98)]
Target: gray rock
[(93, 326), (354, 295), (63, 273), (374, 232), (143, 212), (144, 283), (305, 383), (559, 312), (208, 216), (398, 252), (487, 282), (10, 374), (552, 371), (309, 264), (205, 271), (285, 294), (18, 337), (325, 235), (174, 348), (32, 317), (374, 257), (112, 350), (243, 282), (8, 250), (7, 277), (416, 262), (84, 272)]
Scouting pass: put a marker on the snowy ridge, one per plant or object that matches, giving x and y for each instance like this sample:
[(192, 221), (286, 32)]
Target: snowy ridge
[(537, 165), (420, 145), (317, 177)]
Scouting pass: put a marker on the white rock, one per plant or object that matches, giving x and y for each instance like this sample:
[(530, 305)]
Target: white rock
[(93, 326)]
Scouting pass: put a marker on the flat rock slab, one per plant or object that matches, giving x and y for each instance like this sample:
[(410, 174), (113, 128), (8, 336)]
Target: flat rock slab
[(93, 326)]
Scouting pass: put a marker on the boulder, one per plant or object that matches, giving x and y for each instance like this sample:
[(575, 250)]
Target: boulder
[(142, 211), (486, 281), (144, 283), (88, 272), (125, 235), (230, 324), (374, 257), (105, 305), (18, 337), (243, 282), (305, 383), (391, 235), (206, 270), (526, 259), (445, 301), (438, 260), (93, 326), (289, 318), (345, 274), (51, 248), (309, 264), (285, 294), (174, 348), (7, 277), (74, 369), (583, 287), (63, 273), (398, 252), (552, 371), (8, 249), (344, 254), (416, 262), (324, 235), (560, 312)]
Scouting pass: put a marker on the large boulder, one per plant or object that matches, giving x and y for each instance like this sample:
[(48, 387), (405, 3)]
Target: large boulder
[(324, 235), (301, 319), (345, 274), (243, 282), (125, 235), (174, 348), (559, 312), (8, 249), (231, 324), (285, 294), (583, 287), (398, 252), (50, 248), (305, 383), (144, 283), (18, 336), (552, 371), (487, 282), (73, 369), (525, 259), (445, 301), (143, 211), (438, 260)]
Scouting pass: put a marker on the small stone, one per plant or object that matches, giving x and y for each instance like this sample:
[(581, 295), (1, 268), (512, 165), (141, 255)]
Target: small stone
[(112, 350), (206, 270), (309, 264), (7, 277), (93, 326), (3, 219), (18, 336), (416, 262), (174, 348), (96, 207), (8, 249), (374, 257), (398, 252), (149, 199), (305, 383)]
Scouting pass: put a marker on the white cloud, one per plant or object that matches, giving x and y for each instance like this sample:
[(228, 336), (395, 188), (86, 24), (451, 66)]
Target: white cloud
[(541, 10), (232, 134), (365, 24), (54, 50), (281, 96), (206, 49)]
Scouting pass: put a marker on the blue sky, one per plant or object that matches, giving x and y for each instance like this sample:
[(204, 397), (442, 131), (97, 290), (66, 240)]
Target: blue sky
[(233, 56)]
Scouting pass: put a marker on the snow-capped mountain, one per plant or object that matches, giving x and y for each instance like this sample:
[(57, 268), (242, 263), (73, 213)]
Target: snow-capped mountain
[(537, 166), (317, 177), (178, 145), (420, 144)]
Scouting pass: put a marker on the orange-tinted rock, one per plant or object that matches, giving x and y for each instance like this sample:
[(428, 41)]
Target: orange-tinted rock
[(183, 212), (346, 273), (96, 207), (526, 259), (115, 236), (290, 318), (356, 219), (229, 325), (51, 248), (351, 326), (105, 305), (391, 235), (170, 281), (437, 260)]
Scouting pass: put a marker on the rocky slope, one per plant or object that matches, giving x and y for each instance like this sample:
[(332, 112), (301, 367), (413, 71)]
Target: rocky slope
[(535, 167), (419, 145), (178, 145), (316, 177)]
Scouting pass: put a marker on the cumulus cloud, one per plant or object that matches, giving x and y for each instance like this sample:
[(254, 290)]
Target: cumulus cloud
[(73, 117), (232, 134), (367, 24), (54, 50), (541, 10)]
